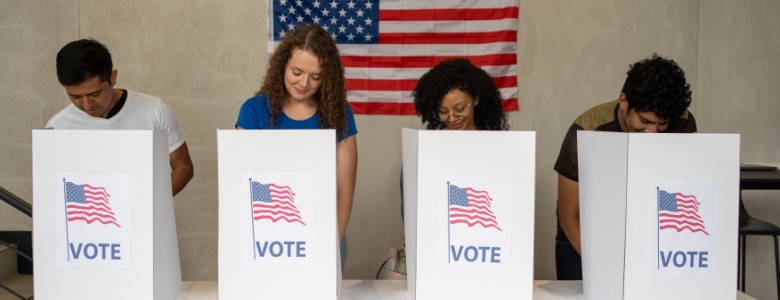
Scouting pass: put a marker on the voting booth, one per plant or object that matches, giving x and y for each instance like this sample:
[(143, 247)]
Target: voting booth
[(278, 230), (469, 213), (103, 224), (658, 215)]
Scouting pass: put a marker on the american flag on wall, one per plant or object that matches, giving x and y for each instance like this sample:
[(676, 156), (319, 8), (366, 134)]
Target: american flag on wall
[(88, 203), (274, 202), (386, 46), (471, 207), (679, 212)]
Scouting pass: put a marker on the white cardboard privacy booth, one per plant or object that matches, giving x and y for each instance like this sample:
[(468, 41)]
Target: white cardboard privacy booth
[(658, 215), (469, 213), (278, 234), (103, 224)]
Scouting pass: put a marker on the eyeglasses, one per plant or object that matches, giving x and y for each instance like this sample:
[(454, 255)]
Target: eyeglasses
[(459, 114)]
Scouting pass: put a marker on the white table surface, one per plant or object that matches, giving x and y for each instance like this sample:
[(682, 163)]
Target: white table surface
[(396, 289)]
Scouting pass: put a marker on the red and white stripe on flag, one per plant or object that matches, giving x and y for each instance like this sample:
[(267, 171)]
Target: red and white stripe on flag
[(415, 35)]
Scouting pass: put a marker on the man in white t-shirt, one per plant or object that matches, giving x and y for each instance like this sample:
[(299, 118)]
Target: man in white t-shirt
[(85, 70)]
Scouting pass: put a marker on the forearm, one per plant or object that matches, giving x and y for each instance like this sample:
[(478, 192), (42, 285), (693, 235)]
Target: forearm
[(346, 169), (569, 210), (180, 177), (343, 212), (181, 168), (572, 231)]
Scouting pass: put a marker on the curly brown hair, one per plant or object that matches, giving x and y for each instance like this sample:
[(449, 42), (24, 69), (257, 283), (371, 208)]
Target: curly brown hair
[(459, 73), (331, 97)]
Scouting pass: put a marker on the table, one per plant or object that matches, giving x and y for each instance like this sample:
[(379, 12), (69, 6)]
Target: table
[(754, 180), (760, 180), (396, 289)]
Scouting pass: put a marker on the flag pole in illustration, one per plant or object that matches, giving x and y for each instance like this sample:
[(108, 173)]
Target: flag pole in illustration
[(67, 234), (658, 235), (252, 215), (449, 254)]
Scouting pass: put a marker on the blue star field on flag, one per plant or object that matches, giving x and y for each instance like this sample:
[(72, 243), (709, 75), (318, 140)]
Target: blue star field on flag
[(348, 22)]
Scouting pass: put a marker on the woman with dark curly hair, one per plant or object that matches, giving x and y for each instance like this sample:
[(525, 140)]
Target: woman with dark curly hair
[(305, 88), (457, 95)]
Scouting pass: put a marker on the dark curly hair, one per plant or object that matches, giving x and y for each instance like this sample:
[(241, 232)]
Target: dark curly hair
[(331, 97), (657, 85), (461, 74)]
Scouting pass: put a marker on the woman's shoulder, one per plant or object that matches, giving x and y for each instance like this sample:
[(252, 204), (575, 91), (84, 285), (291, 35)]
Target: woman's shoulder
[(258, 100), (254, 113), (257, 103)]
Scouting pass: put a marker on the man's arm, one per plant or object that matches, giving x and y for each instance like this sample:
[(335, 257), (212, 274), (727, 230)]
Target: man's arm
[(346, 169), (181, 168), (569, 210)]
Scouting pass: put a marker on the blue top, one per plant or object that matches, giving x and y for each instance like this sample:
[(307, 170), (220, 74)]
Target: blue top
[(256, 113)]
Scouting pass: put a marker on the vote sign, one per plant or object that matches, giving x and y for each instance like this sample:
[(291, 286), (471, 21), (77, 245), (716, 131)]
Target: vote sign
[(96, 213)]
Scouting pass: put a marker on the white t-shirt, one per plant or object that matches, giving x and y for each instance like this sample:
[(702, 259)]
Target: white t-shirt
[(140, 112)]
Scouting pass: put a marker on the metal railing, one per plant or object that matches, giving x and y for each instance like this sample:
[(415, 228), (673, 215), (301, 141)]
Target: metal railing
[(25, 208), (16, 202)]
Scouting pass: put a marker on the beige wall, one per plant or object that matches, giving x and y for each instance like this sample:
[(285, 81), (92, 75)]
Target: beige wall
[(739, 76), (29, 39), (204, 58)]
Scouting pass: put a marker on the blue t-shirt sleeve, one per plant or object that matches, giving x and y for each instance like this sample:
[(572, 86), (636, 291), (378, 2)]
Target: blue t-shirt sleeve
[(254, 113), (351, 127)]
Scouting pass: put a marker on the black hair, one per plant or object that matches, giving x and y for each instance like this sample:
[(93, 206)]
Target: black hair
[(461, 74), (657, 85), (81, 60)]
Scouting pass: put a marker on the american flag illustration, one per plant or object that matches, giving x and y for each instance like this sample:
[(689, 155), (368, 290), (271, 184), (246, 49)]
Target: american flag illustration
[(386, 46), (89, 204), (471, 207), (679, 212), (274, 202)]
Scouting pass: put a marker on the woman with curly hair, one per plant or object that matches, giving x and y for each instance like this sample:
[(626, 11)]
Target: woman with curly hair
[(305, 88), (457, 95)]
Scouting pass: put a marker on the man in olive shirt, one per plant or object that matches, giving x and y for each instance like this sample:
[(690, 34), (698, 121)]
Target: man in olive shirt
[(654, 98)]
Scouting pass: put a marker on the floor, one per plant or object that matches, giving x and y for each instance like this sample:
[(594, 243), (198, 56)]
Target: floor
[(22, 284)]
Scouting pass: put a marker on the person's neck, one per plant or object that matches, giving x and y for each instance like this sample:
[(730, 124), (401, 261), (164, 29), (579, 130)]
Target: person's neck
[(115, 95), (300, 110)]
